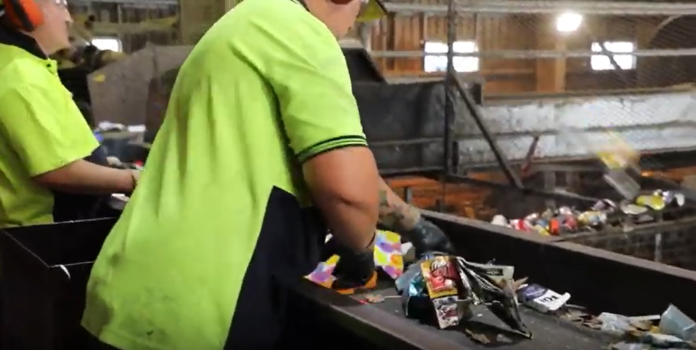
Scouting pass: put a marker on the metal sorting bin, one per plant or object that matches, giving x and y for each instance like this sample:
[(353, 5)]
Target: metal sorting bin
[(669, 242), (45, 269), (667, 238)]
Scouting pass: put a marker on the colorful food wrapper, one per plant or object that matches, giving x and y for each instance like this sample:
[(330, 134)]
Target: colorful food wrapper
[(441, 276), (323, 274), (446, 311), (388, 257), (441, 280)]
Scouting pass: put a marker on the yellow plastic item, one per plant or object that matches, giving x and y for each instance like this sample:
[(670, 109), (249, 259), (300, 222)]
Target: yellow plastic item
[(618, 154)]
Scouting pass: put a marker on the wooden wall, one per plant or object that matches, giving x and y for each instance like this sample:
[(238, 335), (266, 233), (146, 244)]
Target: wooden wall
[(491, 32), (411, 33), (516, 32)]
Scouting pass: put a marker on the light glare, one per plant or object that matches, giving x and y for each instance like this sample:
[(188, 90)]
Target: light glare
[(568, 22)]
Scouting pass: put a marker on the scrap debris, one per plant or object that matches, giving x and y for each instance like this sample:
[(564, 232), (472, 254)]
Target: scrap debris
[(450, 286), (441, 290), (376, 298), (477, 337), (541, 299), (605, 213), (671, 330)]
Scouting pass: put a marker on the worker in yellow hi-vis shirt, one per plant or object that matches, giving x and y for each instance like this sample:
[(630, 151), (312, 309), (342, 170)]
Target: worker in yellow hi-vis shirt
[(261, 120), (51, 165)]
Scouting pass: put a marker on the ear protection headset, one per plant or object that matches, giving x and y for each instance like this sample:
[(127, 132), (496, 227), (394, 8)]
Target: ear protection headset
[(21, 14)]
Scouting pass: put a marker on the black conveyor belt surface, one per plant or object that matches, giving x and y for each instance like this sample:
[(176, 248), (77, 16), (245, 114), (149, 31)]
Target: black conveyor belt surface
[(550, 332)]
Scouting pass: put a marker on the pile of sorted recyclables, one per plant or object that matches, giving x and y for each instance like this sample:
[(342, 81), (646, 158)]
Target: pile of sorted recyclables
[(566, 220)]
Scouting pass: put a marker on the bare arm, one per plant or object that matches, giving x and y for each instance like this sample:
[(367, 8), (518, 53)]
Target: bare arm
[(87, 178), (51, 140), (325, 133), (344, 186)]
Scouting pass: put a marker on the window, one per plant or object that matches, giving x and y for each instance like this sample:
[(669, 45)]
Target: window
[(602, 62), (436, 57), (107, 43)]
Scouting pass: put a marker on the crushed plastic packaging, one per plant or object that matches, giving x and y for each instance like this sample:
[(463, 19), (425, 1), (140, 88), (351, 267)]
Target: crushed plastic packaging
[(440, 274), (615, 324), (540, 298), (675, 322), (500, 220), (476, 284), (662, 340), (627, 346), (650, 341), (494, 287), (620, 324), (675, 330), (406, 280)]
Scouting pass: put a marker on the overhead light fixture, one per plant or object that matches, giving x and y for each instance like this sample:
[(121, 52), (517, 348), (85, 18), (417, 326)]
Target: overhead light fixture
[(568, 22)]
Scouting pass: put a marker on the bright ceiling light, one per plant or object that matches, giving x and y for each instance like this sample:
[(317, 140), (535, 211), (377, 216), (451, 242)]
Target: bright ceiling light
[(568, 22)]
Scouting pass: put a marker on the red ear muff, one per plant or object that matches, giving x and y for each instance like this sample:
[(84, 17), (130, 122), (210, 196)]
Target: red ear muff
[(23, 14)]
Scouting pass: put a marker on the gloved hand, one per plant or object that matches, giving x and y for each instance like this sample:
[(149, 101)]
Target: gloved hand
[(426, 237), (354, 269)]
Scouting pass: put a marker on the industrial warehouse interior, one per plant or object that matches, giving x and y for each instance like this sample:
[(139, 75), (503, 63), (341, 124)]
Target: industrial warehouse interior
[(548, 146)]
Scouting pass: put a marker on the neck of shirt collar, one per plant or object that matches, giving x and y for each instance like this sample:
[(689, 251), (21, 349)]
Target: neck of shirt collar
[(9, 36), (29, 45)]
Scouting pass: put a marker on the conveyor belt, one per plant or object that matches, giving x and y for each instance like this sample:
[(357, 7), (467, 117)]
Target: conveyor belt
[(550, 332)]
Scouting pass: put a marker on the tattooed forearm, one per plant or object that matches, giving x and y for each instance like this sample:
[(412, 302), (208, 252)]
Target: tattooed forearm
[(394, 213)]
